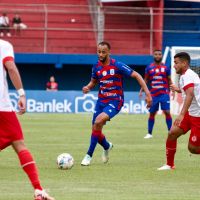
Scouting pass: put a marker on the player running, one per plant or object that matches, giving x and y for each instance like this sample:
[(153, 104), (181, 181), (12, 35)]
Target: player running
[(10, 129), (189, 117), (108, 74), (159, 79)]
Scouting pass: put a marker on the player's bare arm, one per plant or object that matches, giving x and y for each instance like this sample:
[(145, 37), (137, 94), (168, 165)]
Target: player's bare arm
[(175, 88), (187, 102), (143, 85), (89, 86), (141, 90), (16, 80)]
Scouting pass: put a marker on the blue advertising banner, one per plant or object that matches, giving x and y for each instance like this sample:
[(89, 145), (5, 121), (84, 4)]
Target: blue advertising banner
[(40, 101)]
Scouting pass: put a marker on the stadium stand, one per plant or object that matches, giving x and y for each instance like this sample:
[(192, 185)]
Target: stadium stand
[(54, 28)]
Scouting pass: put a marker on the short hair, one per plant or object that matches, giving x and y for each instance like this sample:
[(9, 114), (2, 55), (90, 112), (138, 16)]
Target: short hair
[(183, 56), (157, 50), (105, 43)]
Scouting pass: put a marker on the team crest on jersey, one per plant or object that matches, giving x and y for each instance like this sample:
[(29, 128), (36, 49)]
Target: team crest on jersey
[(112, 72), (194, 138), (104, 73), (162, 69)]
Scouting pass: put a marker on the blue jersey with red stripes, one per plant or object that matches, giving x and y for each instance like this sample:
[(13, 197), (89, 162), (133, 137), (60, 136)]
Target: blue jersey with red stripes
[(110, 79), (157, 76)]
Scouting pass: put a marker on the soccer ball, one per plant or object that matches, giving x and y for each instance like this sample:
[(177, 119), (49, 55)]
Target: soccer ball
[(65, 161)]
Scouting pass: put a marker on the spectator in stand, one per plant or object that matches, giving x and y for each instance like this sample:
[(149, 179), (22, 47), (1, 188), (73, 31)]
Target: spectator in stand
[(17, 24), (4, 25), (52, 85)]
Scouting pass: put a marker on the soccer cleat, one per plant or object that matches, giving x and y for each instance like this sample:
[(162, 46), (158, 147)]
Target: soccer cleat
[(105, 155), (166, 167), (42, 195), (148, 136), (86, 160)]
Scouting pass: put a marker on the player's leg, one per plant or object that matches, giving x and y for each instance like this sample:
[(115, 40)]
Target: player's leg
[(194, 140), (98, 122), (171, 142), (111, 111), (28, 164), (151, 120), (97, 127), (165, 106)]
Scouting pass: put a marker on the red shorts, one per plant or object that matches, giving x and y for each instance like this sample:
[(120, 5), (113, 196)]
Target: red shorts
[(193, 124), (10, 129)]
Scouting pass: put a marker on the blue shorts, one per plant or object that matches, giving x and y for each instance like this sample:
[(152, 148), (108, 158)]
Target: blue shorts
[(163, 100), (111, 109)]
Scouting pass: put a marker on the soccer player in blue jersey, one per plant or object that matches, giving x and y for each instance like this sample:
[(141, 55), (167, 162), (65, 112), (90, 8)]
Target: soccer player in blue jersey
[(108, 74), (158, 77)]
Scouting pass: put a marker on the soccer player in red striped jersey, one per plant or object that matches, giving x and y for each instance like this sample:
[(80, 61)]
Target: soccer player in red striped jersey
[(158, 77), (189, 116), (108, 74), (10, 129)]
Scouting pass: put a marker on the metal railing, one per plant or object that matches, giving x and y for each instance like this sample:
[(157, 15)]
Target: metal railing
[(100, 20)]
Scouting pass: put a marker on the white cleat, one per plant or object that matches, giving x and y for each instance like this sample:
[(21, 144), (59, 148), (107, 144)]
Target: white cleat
[(105, 154), (86, 160), (165, 167), (42, 195), (148, 136)]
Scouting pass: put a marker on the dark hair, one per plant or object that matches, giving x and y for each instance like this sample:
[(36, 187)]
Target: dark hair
[(183, 56), (105, 43), (157, 50)]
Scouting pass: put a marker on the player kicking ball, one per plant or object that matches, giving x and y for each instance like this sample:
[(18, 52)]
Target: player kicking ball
[(10, 129), (108, 74), (189, 117)]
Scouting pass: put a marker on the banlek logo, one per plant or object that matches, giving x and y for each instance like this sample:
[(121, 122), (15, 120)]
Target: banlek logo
[(135, 108), (85, 103), (52, 106)]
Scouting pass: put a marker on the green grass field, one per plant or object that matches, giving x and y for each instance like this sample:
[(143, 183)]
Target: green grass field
[(131, 173)]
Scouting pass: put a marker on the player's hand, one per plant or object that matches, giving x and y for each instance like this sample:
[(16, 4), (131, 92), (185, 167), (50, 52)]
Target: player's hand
[(148, 100), (22, 105), (174, 88), (85, 89), (178, 120), (173, 95), (140, 94)]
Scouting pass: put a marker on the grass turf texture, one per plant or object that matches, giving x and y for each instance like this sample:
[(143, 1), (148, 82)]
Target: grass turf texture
[(131, 173)]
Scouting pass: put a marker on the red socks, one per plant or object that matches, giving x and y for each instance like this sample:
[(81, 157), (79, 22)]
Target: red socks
[(170, 151), (29, 166)]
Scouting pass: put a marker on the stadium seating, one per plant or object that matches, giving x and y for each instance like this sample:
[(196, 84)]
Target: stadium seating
[(128, 41), (70, 28)]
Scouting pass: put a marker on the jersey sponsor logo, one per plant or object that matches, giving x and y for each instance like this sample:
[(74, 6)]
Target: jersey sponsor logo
[(107, 81), (109, 94), (157, 77), (157, 86)]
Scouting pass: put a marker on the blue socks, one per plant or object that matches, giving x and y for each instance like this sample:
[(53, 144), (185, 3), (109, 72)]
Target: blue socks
[(150, 124), (93, 143)]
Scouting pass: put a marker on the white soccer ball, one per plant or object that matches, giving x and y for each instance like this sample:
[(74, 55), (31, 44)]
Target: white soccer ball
[(65, 161)]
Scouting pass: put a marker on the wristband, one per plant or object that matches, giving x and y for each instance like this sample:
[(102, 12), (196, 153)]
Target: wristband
[(21, 92)]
